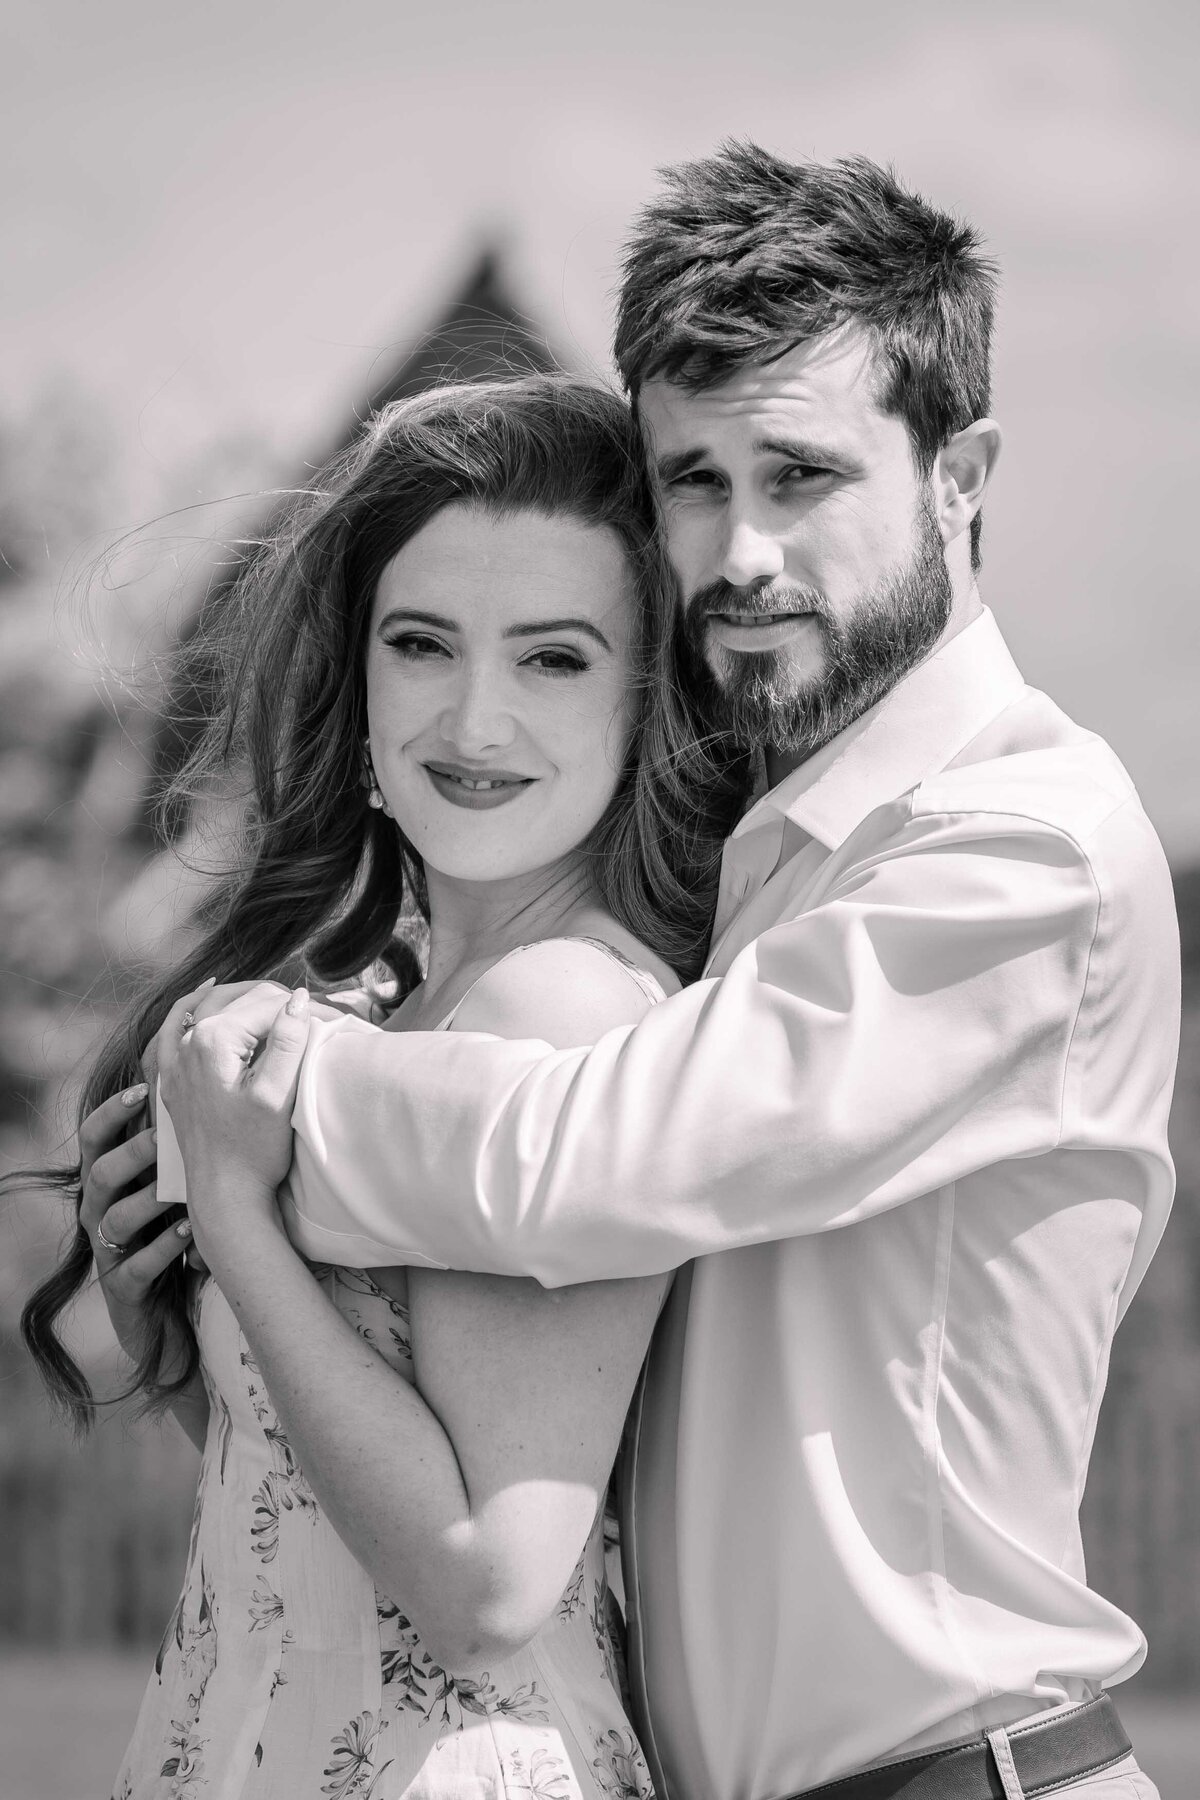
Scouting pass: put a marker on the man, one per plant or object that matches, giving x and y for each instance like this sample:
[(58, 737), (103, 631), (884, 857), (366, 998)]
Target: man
[(912, 1124)]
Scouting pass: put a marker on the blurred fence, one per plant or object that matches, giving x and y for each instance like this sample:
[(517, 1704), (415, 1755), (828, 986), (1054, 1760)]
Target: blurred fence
[(93, 1536), (1141, 1512)]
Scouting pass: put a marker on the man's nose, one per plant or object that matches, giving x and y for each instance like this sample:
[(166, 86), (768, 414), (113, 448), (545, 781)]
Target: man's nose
[(478, 718), (750, 554)]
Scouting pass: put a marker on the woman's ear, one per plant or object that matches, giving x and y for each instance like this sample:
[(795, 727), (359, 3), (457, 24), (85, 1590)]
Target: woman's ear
[(961, 472)]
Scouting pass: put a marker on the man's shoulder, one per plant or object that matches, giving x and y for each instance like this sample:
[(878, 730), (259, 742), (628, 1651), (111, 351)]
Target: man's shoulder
[(1038, 788), (1032, 762), (1032, 791)]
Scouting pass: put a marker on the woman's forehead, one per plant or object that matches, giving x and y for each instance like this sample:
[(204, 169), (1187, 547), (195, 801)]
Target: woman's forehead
[(497, 569)]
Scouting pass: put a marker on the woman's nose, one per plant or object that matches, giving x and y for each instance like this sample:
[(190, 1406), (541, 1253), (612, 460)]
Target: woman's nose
[(750, 554), (479, 716)]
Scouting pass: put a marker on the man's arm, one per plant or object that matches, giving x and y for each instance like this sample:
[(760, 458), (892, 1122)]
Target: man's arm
[(915, 1024)]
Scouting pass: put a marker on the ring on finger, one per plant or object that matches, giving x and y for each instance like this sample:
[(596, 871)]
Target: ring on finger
[(113, 1249), (189, 1020)]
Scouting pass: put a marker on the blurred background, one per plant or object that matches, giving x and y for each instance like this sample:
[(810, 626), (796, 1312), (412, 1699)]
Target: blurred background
[(227, 233)]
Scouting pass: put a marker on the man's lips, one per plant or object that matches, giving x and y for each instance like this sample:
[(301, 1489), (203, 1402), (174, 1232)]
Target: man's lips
[(741, 630), (751, 620)]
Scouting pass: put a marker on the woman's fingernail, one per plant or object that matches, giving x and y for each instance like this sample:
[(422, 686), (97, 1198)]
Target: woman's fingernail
[(211, 982), (154, 1134), (135, 1095), (297, 1001), (183, 1229)]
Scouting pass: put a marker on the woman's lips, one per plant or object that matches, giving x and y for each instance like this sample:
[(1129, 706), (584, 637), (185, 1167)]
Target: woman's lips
[(476, 789)]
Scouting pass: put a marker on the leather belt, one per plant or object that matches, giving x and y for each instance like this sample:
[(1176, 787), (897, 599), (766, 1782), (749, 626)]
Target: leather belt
[(1066, 1745)]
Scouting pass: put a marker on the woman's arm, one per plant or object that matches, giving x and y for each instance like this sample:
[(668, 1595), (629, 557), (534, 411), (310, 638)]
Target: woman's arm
[(532, 1388), (469, 1500)]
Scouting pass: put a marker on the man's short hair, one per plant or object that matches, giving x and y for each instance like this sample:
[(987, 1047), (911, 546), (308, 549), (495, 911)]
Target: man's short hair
[(743, 256)]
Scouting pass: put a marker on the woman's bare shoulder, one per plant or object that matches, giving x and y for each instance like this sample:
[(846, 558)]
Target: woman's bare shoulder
[(565, 990)]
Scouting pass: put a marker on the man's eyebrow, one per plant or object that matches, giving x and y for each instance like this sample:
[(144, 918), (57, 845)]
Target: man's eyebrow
[(807, 451), (671, 467), (799, 450), (409, 615)]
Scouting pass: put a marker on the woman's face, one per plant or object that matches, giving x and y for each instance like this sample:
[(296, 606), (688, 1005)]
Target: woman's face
[(498, 688)]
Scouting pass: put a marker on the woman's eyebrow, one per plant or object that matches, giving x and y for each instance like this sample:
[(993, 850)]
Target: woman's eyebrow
[(411, 616), (537, 627)]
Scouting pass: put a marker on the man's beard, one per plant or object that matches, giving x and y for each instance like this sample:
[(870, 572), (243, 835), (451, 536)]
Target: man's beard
[(762, 700)]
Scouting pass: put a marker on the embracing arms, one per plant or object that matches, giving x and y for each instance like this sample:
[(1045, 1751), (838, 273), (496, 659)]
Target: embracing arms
[(963, 989)]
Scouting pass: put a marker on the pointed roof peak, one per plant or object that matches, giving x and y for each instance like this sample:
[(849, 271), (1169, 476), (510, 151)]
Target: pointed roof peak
[(481, 332)]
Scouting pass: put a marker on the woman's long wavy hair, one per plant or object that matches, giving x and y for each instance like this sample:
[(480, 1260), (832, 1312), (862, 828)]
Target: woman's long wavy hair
[(321, 880)]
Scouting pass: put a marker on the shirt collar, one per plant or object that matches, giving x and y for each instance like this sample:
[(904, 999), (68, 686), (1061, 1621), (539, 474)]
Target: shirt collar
[(915, 730)]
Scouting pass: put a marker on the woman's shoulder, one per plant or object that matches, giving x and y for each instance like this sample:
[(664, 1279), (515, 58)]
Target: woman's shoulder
[(592, 925), (566, 990)]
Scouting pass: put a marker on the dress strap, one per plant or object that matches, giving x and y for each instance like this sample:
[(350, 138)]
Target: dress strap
[(642, 978), (649, 984)]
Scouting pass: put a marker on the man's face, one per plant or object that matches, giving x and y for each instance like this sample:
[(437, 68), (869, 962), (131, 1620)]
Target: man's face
[(810, 558)]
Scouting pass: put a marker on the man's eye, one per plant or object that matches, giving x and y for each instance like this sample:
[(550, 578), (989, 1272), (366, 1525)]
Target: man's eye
[(415, 646), (801, 474), (694, 478)]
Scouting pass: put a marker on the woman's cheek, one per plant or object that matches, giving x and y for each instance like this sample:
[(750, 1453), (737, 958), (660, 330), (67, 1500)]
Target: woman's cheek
[(619, 720)]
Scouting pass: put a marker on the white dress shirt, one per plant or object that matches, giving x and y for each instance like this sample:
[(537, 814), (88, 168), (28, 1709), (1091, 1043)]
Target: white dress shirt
[(913, 1124)]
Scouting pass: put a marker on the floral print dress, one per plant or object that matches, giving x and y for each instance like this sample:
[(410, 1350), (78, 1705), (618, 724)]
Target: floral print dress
[(285, 1674)]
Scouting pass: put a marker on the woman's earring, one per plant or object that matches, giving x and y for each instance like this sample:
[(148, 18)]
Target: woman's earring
[(374, 792)]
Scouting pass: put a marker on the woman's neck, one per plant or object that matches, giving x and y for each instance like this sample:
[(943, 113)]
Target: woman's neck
[(473, 924)]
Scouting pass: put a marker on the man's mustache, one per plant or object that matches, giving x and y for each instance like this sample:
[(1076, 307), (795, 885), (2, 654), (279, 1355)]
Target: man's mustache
[(764, 597)]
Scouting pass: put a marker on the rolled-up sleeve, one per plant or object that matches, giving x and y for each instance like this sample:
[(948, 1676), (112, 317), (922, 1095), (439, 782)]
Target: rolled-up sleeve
[(911, 1023)]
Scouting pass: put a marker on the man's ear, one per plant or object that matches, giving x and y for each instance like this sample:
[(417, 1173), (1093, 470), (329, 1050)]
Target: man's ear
[(961, 472)]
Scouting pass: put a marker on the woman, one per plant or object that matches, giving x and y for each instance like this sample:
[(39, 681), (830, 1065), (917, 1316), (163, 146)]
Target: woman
[(450, 675)]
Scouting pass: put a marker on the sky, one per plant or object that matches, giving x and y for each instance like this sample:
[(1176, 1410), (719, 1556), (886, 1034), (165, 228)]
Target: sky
[(220, 222)]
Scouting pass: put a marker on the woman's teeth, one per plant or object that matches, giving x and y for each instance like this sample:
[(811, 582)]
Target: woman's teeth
[(477, 784)]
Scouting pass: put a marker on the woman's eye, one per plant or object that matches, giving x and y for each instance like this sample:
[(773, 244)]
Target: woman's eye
[(416, 645), (557, 661)]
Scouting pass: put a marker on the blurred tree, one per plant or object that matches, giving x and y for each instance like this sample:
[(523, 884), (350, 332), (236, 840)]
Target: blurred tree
[(60, 480)]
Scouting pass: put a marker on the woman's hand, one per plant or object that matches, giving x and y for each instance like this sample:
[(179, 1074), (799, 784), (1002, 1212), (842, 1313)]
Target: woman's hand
[(229, 1084), (119, 1199), (207, 999), (210, 999)]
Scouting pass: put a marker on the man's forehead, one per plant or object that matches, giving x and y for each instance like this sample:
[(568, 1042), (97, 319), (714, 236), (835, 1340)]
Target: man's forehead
[(828, 382)]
